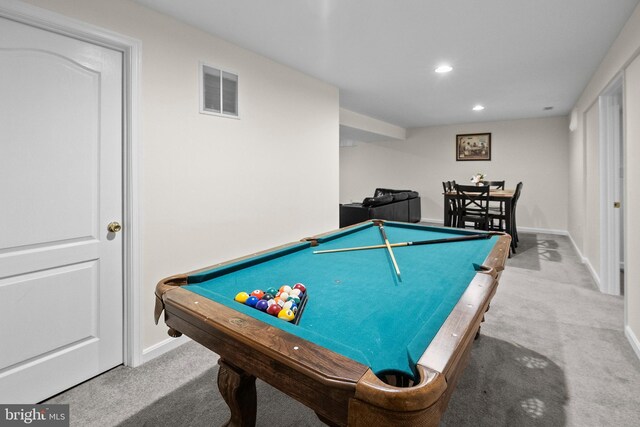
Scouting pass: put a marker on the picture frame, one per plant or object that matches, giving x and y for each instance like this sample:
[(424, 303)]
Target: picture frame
[(473, 146)]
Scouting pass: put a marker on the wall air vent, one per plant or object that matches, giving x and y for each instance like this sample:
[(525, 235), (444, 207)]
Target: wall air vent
[(219, 92)]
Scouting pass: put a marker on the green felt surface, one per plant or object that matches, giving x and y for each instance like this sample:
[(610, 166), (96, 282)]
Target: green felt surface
[(356, 305)]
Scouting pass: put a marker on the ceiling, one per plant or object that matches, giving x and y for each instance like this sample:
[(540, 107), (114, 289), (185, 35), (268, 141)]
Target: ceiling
[(515, 57)]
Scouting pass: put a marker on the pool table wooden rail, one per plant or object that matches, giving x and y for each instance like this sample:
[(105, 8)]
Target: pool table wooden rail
[(340, 390)]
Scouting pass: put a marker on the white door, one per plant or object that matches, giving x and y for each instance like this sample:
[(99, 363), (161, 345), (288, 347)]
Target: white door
[(61, 284), (611, 184)]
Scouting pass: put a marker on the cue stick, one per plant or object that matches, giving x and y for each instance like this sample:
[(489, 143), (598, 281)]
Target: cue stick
[(388, 246), (420, 242)]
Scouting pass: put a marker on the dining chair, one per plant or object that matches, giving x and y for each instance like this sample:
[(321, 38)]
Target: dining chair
[(496, 209), (516, 197), (473, 206), (503, 218), (448, 187)]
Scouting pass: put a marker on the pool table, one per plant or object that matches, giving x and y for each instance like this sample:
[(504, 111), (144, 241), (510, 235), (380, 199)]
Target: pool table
[(372, 347)]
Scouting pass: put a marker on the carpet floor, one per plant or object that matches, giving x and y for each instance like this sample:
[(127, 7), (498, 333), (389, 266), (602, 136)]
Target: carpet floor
[(552, 352)]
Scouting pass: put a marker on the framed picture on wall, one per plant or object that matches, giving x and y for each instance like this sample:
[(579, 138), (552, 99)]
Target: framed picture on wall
[(473, 146)]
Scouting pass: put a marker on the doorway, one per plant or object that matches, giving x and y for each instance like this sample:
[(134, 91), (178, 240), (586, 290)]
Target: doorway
[(612, 188), (127, 327)]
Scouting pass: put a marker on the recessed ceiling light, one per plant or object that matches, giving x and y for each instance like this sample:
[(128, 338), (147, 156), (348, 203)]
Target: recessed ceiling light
[(444, 69), (478, 108)]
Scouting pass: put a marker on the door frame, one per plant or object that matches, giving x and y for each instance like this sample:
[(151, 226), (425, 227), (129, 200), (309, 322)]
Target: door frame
[(131, 51), (611, 138)]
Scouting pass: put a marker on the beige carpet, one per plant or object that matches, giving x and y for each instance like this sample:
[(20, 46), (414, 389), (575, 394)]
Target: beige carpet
[(552, 353)]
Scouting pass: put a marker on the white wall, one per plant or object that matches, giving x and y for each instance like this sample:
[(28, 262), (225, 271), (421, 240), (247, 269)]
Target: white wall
[(577, 186), (584, 227), (632, 203), (216, 188), (534, 151)]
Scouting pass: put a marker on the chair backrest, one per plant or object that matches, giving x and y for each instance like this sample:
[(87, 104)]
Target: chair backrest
[(473, 200), (496, 185), (516, 194), (449, 186)]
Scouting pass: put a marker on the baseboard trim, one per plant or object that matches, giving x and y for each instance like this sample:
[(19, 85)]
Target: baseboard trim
[(543, 231), (432, 221), (633, 340), (521, 229), (586, 262), (162, 347), (575, 246), (594, 275)]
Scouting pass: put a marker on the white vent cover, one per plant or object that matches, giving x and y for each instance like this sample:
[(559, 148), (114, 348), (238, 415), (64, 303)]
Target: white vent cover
[(219, 92)]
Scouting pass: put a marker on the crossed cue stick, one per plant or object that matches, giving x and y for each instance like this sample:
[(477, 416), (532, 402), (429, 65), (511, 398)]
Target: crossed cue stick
[(388, 245), (417, 243)]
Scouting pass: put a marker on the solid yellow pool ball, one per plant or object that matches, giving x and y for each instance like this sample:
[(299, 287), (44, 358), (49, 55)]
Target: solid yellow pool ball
[(242, 297)]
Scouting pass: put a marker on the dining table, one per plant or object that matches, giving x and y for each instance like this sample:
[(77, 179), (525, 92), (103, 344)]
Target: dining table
[(506, 196)]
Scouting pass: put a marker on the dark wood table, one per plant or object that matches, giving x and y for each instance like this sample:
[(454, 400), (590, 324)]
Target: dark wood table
[(505, 196)]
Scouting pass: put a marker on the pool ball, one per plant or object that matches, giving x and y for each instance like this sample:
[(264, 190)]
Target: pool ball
[(286, 315), (274, 309), (294, 299), (295, 292), (242, 297), (272, 291), (284, 296), (290, 305), (262, 305), (300, 286), (267, 296), (251, 301), (257, 293), (285, 288)]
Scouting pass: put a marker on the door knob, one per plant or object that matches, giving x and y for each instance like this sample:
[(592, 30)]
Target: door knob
[(114, 227), (616, 205)]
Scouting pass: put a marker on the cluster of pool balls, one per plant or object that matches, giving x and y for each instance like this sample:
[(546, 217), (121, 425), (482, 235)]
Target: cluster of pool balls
[(282, 303)]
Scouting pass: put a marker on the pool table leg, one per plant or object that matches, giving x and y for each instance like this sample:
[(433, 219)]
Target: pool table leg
[(477, 333), (239, 391), (479, 327)]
